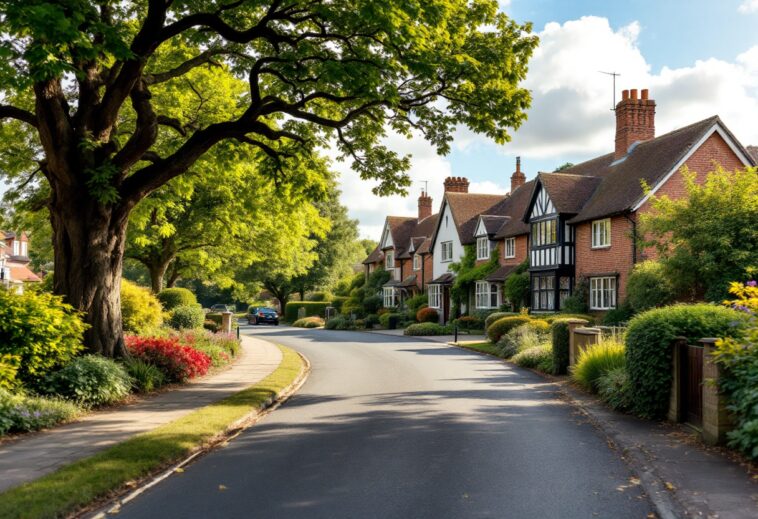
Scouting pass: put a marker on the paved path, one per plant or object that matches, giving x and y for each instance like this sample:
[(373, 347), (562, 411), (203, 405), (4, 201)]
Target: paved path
[(39, 454), (390, 427)]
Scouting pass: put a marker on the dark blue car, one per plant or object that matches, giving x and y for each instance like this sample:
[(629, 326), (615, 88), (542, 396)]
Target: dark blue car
[(262, 314)]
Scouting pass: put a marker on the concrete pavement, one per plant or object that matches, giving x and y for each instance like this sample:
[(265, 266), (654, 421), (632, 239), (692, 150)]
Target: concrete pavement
[(35, 455)]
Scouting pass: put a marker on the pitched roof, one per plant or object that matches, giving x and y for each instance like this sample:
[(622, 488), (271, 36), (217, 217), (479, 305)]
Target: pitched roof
[(517, 203), (409, 281), (492, 223), (466, 208), (415, 232), (568, 192), (425, 246), (753, 151), (376, 256), (22, 273), (501, 273), (620, 185)]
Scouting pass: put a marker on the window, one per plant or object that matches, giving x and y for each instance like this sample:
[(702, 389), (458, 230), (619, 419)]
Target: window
[(389, 297), (487, 295), (446, 252), (16, 252), (389, 260), (416, 262), (482, 248), (601, 233), (24, 249), (543, 292), (544, 233), (510, 247), (603, 293), (435, 301)]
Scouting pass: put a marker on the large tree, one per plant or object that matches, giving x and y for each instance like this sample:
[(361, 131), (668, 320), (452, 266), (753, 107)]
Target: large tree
[(80, 74)]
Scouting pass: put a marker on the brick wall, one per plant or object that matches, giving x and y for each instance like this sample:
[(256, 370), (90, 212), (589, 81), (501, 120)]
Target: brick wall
[(614, 259)]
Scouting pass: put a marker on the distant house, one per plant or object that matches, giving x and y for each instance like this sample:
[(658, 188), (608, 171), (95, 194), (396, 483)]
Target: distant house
[(14, 261)]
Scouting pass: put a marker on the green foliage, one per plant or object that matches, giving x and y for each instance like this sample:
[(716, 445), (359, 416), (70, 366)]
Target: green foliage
[(536, 357), (427, 315), (340, 322), (390, 320), (596, 361), (648, 287), (504, 325), (146, 377), (312, 308), (140, 310), (417, 302), (469, 322), (21, 413), (211, 325), (550, 318), (578, 301), (467, 273), (560, 340), (614, 388), (8, 370), (619, 315), (739, 362), (187, 317), (90, 381), (319, 296), (309, 322), (516, 290), (338, 301), (422, 329), (372, 304), (371, 320), (520, 338), (709, 237), (649, 340), (170, 298), (494, 316), (538, 325), (38, 332)]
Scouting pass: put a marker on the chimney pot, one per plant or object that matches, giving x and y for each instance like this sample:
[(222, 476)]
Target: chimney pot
[(635, 120), (645, 93), (633, 94), (518, 178), (624, 95), (456, 185)]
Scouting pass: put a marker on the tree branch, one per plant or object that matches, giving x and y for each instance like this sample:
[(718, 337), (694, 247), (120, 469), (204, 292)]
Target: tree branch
[(12, 112), (180, 70)]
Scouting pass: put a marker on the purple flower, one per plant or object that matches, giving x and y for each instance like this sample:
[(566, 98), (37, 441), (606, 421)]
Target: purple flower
[(752, 283)]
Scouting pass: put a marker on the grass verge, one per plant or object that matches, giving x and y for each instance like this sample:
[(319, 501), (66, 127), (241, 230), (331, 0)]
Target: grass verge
[(82, 482), (484, 347)]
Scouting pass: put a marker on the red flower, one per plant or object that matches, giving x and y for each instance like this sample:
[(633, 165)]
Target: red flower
[(179, 362)]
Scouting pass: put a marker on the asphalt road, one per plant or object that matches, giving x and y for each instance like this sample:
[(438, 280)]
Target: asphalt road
[(389, 427)]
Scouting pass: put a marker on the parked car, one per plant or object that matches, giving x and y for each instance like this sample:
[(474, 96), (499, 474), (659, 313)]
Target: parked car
[(221, 308), (262, 314)]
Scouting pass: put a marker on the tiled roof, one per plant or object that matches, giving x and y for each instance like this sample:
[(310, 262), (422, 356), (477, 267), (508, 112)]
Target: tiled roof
[(22, 273), (416, 232), (424, 247), (493, 223), (409, 281), (444, 279), (753, 151), (515, 209), (568, 192), (501, 273), (376, 256), (466, 208)]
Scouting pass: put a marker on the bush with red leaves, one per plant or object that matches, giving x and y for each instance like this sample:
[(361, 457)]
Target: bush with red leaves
[(176, 360), (427, 315)]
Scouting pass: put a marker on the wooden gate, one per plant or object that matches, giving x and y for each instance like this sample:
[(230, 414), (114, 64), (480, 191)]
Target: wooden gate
[(692, 384)]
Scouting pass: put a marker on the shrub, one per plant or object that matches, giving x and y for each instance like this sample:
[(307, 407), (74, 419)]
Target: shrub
[(504, 325), (215, 317), (372, 303), (578, 302), (649, 338), (211, 325), (145, 377), (538, 325), (416, 302), (516, 289), (199, 338), (90, 381), (597, 360), (421, 329), (319, 296), (613, 387), (550, 318), (38, 334), (177, 361), (427, 315), (390, 320), (309, 322), (171, 298), (494, 316), (537, 357), (21, 413), (617, 316), (340, 322), (560, 340), (187, 317), (338, 301), (312, 308), (648, 287), (520, 338), (140, 309), (218, 355), (371, 320), (469, 322)]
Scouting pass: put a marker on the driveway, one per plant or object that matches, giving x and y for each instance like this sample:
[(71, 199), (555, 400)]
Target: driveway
[(393, 427)]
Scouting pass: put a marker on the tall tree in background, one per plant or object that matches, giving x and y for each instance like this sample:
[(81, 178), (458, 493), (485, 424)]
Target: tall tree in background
[(81, 74)]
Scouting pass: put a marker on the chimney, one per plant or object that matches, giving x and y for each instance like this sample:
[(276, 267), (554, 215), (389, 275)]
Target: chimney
[(518, 178), (635, 120), (424, 206), (456, 185)]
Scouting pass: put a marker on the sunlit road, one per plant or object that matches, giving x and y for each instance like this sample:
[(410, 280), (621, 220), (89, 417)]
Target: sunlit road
[(398, 428)]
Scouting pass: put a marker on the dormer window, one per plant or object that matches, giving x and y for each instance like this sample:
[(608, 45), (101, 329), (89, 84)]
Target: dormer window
[(389, 260), (24, 249), (16, 250), (416, 262), (482, 248)]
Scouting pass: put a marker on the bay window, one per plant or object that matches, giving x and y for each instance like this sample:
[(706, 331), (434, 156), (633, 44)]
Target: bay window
[(435, 296), (487, 295), (543, 292), (390, 300)]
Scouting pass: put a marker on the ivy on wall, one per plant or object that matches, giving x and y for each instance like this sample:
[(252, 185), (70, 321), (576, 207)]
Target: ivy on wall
[(467, 273)]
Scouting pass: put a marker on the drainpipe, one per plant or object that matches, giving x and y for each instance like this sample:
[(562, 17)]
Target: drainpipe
[(634, 237)]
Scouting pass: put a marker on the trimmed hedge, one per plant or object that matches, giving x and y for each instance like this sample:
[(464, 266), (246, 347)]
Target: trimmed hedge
[(340, 323), (470, 322), (560, 336), (504, 325), (187, 317), (494, 316), (312, 308), (649, 353), (427, 315), (422, 329), (171, 298), (390, 320)]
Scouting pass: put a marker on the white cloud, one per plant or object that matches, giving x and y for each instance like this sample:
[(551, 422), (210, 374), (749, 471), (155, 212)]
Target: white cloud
[(570, 114), (748, 6)]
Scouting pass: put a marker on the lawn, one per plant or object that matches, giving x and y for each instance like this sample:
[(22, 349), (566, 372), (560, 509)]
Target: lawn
[(80, 483), (484, 347)]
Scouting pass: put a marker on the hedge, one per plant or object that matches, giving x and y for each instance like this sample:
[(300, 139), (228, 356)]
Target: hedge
[(422, 329), (560, 335), (494, 316), (312, 308), (170, 298), (504, 325), (649, 352)]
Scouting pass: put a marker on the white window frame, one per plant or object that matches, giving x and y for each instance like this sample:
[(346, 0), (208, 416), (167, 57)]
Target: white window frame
[(446, 251), (509, 249), (435, 296), (601, 233), (482, 248), (24, 249), (487, 295), (603, 293), (389, 260), (389, 297), (16, 245), (416, 262)]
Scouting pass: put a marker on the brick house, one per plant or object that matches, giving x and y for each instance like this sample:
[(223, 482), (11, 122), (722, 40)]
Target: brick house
[(403, 251), (583, 220), (14, 261)]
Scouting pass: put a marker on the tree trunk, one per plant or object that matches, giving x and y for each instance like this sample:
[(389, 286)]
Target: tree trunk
[(173, 277), (157, 273), (88, 239)]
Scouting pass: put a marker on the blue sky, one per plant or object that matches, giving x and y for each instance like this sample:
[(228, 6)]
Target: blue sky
[(698, 58)]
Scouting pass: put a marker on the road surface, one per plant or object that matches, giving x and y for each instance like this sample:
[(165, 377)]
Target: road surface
[(389, 427)]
